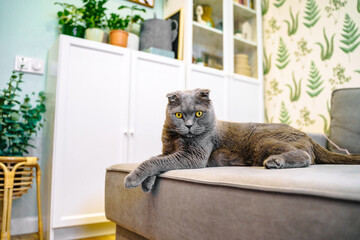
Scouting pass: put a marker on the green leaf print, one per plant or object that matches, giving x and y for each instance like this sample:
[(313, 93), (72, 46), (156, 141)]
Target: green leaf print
[(284, 114), (311, 13), (350, 35), (267, 120), (304, 119), (265, 6), (283, 55), (296, 91), (326, 124), (314, 81), (293, 26), (266, 63), (358, 6), (327, 52), (279, 3)]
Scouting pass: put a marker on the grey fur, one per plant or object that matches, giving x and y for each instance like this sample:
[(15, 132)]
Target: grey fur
[(198, 142)]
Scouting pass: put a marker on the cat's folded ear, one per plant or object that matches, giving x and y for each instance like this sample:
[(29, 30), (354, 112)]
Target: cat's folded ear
[(203, 94), (173, 98)]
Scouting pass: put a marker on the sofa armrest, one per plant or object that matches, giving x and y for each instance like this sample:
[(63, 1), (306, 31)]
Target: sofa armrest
[(319, 138)]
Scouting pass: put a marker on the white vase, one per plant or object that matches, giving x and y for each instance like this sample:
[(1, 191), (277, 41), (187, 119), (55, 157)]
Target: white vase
[(133, 41), (95, 34)]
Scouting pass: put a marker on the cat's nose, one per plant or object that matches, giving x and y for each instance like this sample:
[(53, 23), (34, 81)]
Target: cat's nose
[(189, 124)]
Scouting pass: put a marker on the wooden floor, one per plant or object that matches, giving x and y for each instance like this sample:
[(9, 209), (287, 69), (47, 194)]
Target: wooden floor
[(34, 236)]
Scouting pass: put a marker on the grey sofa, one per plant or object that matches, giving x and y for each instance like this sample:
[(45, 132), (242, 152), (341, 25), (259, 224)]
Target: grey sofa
[(318, 202)]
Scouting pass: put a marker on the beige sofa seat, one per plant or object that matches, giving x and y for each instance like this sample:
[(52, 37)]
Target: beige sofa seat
[(225, 203)]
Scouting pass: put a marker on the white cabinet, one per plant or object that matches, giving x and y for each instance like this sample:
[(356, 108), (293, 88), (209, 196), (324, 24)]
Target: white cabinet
[(216, 82), (106, 106), (153, 78)]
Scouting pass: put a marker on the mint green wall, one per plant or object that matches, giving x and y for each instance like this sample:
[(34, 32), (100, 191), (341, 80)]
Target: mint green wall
[(29, 28)]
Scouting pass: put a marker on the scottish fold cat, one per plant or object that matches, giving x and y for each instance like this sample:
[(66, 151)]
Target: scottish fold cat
[(192, 137)]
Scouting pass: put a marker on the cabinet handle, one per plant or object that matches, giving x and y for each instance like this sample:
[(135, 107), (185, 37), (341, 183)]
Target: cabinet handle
[(131, 132), (126, 132)]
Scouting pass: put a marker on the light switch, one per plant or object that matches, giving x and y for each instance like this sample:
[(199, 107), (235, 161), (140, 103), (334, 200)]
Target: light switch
[(29, 65)]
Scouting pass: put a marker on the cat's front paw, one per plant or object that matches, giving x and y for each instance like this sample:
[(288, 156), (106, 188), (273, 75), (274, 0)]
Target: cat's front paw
[(274, 162), (148, 184), (132, 180)]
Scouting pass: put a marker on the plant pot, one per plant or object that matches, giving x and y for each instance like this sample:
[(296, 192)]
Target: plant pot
[(133, 41), (95, 34), (119, 38), (75, 31)]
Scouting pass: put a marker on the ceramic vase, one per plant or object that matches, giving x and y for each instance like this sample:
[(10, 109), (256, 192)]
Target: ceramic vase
[(95, 34), (119, 38)]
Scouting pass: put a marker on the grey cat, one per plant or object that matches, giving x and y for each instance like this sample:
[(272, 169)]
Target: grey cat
[(192, 137)]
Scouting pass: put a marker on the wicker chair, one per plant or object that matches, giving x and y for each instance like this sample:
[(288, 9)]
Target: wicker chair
[(16, 177)]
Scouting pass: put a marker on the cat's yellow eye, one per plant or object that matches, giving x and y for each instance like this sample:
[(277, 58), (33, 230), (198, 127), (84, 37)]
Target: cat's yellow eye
[(178, 115), (199, 114)]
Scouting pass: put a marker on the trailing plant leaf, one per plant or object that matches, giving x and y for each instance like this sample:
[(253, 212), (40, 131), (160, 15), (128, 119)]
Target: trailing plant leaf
[(283, 55), (296, 91), (314, 81), (311, 13), (19, 120), (265, 6), (358, 6), (326, 53), (279, 3), (293, 26), (350, 35), (266, 63), (284, 114)]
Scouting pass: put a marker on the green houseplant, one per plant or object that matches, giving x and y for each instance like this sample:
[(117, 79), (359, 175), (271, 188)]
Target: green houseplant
[(19, 120), (117, 25), (70, 20), (95, 20), (134, 25)]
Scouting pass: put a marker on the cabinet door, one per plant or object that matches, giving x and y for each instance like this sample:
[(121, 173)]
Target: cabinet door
[(216, 82), (152, 78), (91, 113), (244, 101)]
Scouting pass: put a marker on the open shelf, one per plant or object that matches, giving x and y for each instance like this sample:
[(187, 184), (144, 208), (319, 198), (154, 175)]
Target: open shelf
[(203, 28), (243, 11), (240, 41)]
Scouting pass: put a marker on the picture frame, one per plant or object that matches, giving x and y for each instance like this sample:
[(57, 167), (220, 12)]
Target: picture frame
[(146, 3), (212, 61), (178, 43)]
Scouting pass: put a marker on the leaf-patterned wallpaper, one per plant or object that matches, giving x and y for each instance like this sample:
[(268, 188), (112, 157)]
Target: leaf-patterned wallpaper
[(311, 47)]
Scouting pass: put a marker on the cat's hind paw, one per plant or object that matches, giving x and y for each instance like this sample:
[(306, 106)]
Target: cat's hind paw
[(148, 184), (275, 162)]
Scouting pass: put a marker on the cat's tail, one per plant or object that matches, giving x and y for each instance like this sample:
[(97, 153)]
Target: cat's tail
[(324, 156)]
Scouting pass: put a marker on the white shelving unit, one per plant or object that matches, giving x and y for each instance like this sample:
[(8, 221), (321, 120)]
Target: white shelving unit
[(234, 95)]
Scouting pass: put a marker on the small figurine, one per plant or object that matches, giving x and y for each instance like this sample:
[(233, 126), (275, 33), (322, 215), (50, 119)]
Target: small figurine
[(199, 13)]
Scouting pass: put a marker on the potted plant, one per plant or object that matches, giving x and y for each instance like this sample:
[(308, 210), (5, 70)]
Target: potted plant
[(134, 26), (95, 20), (19, 120), (117, 25), (70, 20)]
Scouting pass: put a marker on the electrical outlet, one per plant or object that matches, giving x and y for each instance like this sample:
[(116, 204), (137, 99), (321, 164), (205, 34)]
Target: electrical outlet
[(29, 65)]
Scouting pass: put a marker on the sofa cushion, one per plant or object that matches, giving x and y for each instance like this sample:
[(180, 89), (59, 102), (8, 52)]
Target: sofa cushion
[(345, 120), (318, 202)]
